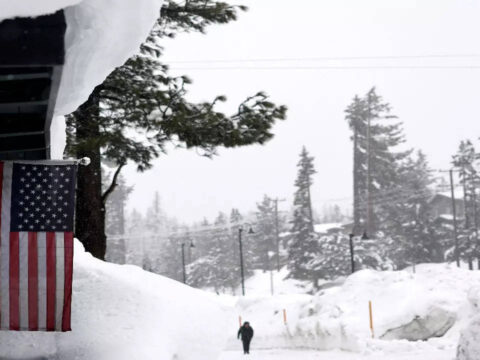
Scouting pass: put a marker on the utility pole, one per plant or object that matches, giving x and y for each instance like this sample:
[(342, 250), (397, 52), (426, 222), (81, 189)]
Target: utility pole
[(356, 196), (467, 215), (475, 219), (369, 227), (183, 264), (455, 232), (277, 231), (183, 260), (240, 230)]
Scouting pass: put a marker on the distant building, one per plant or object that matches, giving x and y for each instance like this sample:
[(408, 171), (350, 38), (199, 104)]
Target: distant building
[(442, 208), (329, 228)]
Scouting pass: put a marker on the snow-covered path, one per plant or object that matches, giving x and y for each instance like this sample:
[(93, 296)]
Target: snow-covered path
[(281, 354)]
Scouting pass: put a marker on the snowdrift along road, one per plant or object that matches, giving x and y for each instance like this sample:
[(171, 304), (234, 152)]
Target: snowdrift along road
[(122, 312), (429, 304)]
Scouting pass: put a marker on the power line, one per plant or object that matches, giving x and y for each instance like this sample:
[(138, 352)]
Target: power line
[(271, 68), (327, 58)]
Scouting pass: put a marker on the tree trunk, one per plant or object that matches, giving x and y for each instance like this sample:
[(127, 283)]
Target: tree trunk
[(90, 208)]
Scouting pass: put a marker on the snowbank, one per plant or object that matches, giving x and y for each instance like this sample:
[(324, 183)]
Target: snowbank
[(406, 305), (469, 343), (122, 312)]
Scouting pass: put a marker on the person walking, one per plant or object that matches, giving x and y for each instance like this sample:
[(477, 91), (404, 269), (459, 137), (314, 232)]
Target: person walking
[(245, 333)]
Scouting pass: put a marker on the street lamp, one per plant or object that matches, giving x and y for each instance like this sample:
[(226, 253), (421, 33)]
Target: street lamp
[(352, 254), (240, 244), (352, 260), (183, 261)]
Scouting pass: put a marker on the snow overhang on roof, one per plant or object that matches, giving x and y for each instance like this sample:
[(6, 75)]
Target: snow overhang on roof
[(100, 36)]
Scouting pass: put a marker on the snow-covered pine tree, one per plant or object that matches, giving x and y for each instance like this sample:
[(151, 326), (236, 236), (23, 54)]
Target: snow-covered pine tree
[(302, 247), (333, 257), (415, 238), (134, 241), (235, 217), (115, 222), (377, 159), (265, 241)]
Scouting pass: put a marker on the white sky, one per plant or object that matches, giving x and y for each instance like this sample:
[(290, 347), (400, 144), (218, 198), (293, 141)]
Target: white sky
[(439, 107)]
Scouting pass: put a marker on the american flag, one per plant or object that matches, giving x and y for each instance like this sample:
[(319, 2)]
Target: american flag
[(36, 244)]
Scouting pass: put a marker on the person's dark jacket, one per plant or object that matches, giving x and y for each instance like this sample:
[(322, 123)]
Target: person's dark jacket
[(246, 333)]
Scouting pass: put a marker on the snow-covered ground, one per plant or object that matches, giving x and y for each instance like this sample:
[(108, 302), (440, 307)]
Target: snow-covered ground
[(280, 354), (430, 303), (121, 312)]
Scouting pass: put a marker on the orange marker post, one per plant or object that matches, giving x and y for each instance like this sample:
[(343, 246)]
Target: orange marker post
[(371, 318), (285, 316)]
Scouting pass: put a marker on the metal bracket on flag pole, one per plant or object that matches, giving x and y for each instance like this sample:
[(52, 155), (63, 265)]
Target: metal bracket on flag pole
[(85, 161)]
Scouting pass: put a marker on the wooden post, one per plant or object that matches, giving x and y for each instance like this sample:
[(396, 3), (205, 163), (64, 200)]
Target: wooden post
[(240, 321), (371, 318), (284, 317)]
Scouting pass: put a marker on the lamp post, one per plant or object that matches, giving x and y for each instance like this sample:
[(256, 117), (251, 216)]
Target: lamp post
[(352, 260), (240, 245), (352, 250), (183, 261)]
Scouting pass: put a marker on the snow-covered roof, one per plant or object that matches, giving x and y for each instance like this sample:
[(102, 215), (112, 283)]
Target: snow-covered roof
[(458, 193), (324, 228)]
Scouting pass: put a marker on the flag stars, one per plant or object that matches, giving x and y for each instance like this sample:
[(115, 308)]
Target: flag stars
[(43, 194)]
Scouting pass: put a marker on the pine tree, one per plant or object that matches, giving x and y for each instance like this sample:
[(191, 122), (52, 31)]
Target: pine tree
[(142, 98), (156, 230), (302, 247), (415, 236), (115, 222), (265, 240), (333, 257), (235, 216), (133, 237), (377, 159)]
